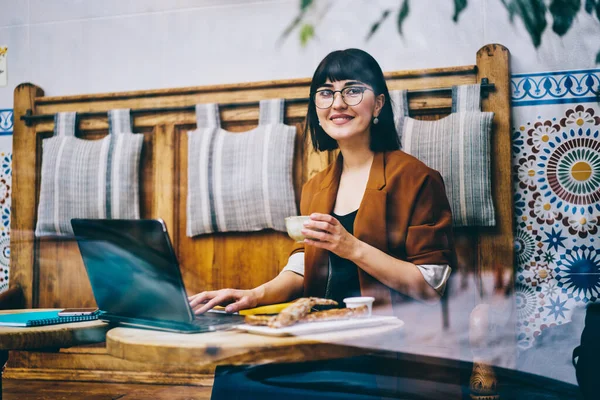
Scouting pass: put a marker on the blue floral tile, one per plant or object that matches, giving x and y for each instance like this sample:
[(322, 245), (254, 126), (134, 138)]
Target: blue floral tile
[(5, 202), (556, 170), (6, 121)]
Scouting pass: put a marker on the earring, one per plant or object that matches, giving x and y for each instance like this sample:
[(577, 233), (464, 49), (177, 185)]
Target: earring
[(375, 121), (319, 123)]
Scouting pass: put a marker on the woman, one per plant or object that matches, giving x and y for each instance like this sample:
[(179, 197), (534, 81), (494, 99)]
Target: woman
[(380, 222)]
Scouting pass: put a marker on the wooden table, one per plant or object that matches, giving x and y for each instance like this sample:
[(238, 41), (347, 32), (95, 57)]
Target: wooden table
[(47, 337), (239, 348), (230, 349)]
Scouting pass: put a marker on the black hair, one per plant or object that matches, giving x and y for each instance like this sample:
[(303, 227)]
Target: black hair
[(358, 65)]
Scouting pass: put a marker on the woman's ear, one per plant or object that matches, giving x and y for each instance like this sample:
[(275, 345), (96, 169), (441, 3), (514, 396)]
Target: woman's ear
[(379, 102)]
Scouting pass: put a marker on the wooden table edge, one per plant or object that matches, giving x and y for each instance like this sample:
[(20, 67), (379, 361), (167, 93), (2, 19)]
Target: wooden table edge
[(146, 346)]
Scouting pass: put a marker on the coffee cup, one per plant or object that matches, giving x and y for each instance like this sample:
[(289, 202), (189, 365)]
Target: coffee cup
[(294, 226)]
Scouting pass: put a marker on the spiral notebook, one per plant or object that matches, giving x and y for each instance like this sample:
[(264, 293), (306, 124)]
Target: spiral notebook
[(41, 318)]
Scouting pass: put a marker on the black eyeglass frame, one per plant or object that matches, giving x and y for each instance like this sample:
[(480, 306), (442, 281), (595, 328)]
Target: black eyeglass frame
[(341, 92)]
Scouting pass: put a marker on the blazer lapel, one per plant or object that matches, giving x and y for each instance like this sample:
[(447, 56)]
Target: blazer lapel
[(370, 222), (322, 202), (370, 227)]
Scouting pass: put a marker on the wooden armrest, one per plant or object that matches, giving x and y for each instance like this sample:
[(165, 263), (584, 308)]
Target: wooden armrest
[(12, 299)]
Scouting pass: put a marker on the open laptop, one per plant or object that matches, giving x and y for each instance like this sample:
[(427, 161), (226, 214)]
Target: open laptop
[(135, 276)]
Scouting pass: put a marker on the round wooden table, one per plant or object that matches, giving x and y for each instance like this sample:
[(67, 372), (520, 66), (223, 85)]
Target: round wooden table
[(239, 348), (47, 337)]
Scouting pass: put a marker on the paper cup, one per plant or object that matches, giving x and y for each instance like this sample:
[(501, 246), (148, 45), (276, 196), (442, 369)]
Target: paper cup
[(353, 302)]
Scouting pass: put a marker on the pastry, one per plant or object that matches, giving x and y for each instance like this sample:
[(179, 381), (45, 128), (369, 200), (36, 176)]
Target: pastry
[(297, 310)]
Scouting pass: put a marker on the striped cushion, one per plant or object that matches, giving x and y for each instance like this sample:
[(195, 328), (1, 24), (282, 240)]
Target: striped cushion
[(88, 178), (240, 181), (458, 146)]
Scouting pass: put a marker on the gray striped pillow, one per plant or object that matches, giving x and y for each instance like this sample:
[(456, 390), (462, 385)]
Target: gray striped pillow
[(240, 181), (88, 178), (458, 147)]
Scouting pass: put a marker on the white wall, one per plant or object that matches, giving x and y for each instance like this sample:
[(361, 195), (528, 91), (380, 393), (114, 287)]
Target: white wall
[(87, 46)]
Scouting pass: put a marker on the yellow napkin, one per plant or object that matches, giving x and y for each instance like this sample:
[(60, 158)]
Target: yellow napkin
[(270, 309)]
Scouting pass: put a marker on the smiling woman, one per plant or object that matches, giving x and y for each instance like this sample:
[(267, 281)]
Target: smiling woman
[(380, 222)]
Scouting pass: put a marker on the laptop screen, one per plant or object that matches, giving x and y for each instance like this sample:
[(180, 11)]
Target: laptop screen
[(132, 269)]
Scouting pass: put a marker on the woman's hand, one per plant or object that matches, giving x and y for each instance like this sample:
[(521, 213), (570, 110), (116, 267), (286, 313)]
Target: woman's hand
[(330, 235), (233, 299)]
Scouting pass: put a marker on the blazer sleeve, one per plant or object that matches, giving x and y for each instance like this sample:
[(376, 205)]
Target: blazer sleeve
[(429, 237)]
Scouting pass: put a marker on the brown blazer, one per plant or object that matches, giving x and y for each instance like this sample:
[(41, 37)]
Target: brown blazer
[(404, 212)]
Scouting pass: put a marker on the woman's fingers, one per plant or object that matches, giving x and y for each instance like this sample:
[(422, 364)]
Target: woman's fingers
[(234, 299), (323, 217), (204, 301), (202, 308), (310, 234), (318, 225), (200, 298), (241, 304)]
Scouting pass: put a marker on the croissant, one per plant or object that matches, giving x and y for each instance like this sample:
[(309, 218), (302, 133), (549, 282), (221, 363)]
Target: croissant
[(297, 310), (298, 314)]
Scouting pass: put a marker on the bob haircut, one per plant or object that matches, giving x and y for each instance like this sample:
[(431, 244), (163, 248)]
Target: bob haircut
[(358, 65)]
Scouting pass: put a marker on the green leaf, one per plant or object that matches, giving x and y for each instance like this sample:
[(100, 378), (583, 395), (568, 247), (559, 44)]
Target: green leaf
[(378, 23), (510, 7), (402, 15), (563, 12), (292, 26), (307, 32), (459, 6), (590, 5), (533, 14), (598, 9), (304, 4)]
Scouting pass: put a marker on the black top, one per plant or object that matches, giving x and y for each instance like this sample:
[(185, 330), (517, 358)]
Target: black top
[(343, 279)]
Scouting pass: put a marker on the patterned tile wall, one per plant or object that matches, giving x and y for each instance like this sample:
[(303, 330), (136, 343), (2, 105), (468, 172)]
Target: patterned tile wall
[(556, 166), (6, 128)]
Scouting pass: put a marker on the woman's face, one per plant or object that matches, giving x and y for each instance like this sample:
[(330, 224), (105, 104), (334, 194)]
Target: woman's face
[(342, 121)]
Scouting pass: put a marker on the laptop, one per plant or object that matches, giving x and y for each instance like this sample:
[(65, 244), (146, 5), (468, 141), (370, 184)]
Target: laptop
[(135, 277)]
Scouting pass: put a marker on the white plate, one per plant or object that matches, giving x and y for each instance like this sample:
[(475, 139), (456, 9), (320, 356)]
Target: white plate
[(319, 327)]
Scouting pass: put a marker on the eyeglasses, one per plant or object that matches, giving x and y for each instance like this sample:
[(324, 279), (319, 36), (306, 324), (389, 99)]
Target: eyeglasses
[(351, 95)]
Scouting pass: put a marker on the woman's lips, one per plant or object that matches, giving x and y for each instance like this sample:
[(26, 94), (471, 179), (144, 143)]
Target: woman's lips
[(341, 119)]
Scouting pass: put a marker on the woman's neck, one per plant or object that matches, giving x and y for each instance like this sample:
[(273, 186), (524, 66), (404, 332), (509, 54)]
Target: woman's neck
[(356, 158)]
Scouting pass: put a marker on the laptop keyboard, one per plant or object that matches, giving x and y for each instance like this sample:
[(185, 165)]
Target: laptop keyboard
[(220, 319)]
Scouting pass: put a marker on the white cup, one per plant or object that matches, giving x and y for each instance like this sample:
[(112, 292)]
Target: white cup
[(294, 226), (354, 302)]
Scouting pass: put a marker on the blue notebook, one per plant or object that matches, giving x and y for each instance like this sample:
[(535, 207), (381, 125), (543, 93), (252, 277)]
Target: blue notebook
[(40, 318)]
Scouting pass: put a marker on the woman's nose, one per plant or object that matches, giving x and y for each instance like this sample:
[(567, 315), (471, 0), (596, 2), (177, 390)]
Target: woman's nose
[(338, 101)]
